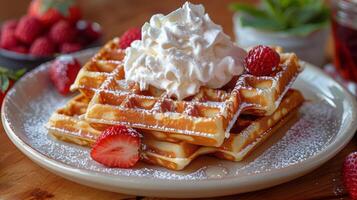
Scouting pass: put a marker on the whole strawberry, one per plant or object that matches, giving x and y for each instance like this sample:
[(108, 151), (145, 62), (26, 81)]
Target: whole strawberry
[(10, 24), (20, 49), (51, 11), (117, 146), (75, 14), (62, 32), (129, 36), (350, 174), (91, 31), (8, 39), (70, 47), (7, 79), (28, 29), (63, 72), (262, 61), (42, 47)]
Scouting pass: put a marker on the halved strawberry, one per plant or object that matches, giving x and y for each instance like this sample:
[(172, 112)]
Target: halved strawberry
[(117, 146), (63, 72)]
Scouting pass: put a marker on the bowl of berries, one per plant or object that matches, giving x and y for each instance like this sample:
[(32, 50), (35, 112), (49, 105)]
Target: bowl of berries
[(49, 28)]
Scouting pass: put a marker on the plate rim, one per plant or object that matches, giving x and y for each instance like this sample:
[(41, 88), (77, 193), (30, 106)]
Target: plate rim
[(146, 183)]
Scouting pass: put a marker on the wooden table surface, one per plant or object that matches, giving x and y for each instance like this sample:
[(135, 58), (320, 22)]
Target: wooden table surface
[(20, 178)]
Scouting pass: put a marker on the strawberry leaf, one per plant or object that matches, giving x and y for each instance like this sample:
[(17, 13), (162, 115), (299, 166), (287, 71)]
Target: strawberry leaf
[(14, 75), (61, 6), (4, 81), (6, 75), (19, 73)]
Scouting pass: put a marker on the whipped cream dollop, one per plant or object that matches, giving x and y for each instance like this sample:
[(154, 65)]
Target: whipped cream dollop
[(181, 52)]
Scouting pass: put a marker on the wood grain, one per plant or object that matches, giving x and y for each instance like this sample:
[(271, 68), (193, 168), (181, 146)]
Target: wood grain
[(20, 178)]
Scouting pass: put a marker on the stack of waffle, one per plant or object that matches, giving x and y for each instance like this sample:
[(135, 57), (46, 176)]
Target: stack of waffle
[(228, 123)]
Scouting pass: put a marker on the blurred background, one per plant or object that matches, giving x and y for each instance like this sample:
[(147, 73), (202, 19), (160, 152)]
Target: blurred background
[(300, 26), (116, 16)]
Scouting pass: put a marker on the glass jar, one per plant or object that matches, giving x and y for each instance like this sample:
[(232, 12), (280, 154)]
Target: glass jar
[(344, 29)]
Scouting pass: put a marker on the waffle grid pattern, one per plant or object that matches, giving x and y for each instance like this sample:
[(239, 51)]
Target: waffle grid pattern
[(204, 119)]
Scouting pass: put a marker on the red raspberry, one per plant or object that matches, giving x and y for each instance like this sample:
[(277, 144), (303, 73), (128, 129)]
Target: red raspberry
[(20, 49), (63, 72), (62, 32), (42, 47), (8, 39), (70, 47), (262, 61), (129, 36), (350, 174), (28, 29)]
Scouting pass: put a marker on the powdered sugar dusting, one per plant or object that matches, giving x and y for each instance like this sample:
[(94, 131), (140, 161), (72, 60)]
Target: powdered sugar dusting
[(311, 133), (314, 130)]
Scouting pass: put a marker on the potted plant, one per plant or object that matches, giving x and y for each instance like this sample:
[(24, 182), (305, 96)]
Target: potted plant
[(299, 26)]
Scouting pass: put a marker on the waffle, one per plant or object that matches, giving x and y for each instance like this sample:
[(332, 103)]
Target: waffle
[(68, 124), (204, 119), (263, 94)]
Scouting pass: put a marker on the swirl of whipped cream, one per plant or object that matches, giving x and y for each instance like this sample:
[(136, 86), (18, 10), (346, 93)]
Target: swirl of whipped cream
[(181, 52)]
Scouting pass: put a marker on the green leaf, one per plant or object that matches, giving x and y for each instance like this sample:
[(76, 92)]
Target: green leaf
[(247, 9), (287, 4), (60, 5), (292, 16), (4, 81), (305, 29), (260, 23), (274, 11), (19, 73), (305, 15), (14, 75), (3, 70)]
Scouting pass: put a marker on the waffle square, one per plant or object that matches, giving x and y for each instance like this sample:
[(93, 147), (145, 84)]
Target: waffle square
[(68, 124)]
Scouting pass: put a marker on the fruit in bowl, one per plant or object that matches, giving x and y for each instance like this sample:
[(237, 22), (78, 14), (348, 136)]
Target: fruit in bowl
[(50, 27)]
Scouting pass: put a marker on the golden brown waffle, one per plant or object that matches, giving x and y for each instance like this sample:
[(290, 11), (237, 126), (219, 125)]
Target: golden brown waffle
[(204, 119), (68, 124)]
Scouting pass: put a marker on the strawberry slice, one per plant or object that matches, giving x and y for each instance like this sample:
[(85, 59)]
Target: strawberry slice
[(117, 146)]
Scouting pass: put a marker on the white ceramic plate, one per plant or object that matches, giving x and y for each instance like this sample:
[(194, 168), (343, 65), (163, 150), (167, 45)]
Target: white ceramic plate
[(324, 126)]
